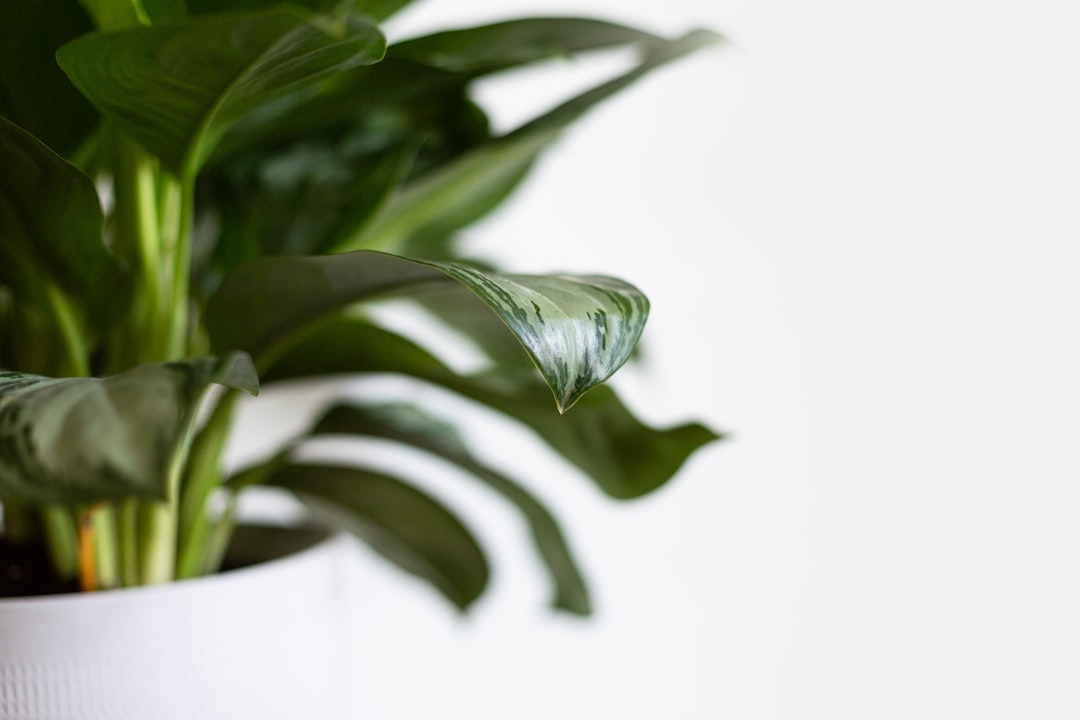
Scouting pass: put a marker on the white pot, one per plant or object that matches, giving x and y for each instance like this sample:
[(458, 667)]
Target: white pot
[(266, 642)]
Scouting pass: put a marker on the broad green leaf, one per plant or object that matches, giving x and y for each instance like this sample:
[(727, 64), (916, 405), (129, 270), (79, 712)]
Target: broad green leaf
[(577, 329), (625, 457), (75, 440), (34, 93), (178, 87), (415, 98), (410, 425), (405, 525), (416, 79), (499, 46), (51, 232)]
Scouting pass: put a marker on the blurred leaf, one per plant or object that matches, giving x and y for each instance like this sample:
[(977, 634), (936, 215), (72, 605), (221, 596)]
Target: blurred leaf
[(403, 524), (415, 99), (600, 435), (34, 93), (411, 426), (578, 330), (51, 232), (466, 189), (76, 440), (499, 46), (178, 87), (452, 196)]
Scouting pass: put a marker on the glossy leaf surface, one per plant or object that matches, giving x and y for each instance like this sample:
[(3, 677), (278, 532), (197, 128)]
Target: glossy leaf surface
[(625, 457), (74, 440), (577, 329), (178, 87), (403, 524), (411, 426)]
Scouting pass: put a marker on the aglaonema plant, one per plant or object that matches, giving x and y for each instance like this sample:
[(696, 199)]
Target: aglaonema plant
[(211, 192)]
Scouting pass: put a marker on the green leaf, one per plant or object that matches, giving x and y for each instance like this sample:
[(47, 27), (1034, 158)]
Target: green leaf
[(34, 93), (625, 457), (454, 195), (499, 46), (578, 330), (410, 425), (87, 439), (405, 525), (51, 232), (178, 87), (470, 186)]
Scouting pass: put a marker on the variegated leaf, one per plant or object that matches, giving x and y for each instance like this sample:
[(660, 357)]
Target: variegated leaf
[(578, 329)]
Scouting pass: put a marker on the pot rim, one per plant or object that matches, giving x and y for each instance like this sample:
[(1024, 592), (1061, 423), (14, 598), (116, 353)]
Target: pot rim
[(268, 550)]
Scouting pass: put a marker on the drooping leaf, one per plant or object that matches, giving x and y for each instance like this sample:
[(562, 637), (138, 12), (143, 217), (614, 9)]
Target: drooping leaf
[(51, 232), (177, 87), (72, 440), (409, 425), (625, 457), (34, 93), (403, 524), (578, 329)]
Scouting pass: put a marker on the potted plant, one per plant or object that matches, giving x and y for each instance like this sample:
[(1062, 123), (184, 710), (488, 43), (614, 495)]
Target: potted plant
[(201, 198)]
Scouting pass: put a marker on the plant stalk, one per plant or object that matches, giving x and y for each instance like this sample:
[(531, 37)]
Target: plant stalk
[(202, 479)]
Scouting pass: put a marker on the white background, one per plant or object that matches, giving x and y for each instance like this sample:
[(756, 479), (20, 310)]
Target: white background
[(858, 224)]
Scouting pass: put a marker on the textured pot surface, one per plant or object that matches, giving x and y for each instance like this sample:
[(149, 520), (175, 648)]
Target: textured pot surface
[(264, 641)]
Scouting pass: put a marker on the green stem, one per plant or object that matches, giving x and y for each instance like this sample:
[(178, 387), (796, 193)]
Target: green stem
[(138, 236), (201, 481), (180, 214), (218, 542), (62, 537), (74, 345), (106, 546), (160, 521), (128, 528)]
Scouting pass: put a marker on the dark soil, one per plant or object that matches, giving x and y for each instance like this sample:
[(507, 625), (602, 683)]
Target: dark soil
[(25, 571)]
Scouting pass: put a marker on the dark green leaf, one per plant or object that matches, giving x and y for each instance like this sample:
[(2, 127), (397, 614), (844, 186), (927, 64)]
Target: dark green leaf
[(492, 48), (86, 439), (51, 232), (34, 93), (578, 330), (410, 425), (178, 87), (400, 522), (600, 435), (160, 11)]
